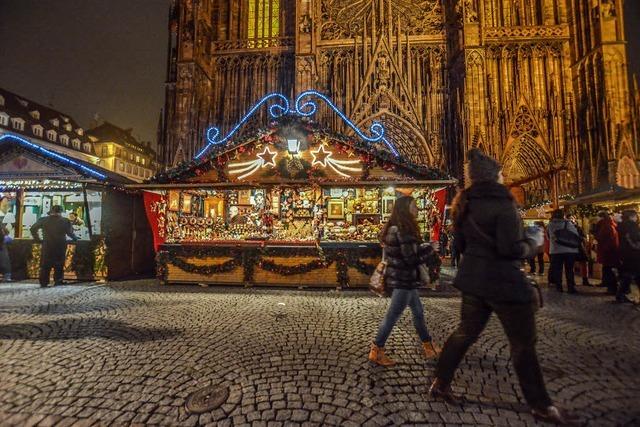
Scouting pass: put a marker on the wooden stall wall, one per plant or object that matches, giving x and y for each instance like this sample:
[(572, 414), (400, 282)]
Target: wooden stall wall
[(128, 237)]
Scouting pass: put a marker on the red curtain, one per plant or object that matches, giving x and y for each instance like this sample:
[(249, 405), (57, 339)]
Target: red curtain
[(440, 197), (155, 206)]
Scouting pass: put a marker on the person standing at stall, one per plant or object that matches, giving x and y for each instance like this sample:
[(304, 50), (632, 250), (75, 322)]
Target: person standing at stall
[(564, 241), (404, 253), (491, 235), (539, 256), (606, 234), (583, 253), (55, 230), (629, 232), (5, 261)]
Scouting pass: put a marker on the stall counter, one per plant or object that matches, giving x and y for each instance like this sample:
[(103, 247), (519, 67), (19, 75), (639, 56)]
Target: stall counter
[(258, 263)]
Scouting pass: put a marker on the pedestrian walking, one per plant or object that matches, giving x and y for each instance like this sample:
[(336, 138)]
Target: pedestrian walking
[(629, 233), (539, 256), (444, 242), (490, 232), (564, 244), (5, 261), (455, 252), (55, 230), (404, 254), (606, 234), (582, 260)]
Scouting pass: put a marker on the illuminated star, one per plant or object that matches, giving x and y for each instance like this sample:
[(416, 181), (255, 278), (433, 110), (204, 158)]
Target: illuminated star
[(320, 156), (268, 158)]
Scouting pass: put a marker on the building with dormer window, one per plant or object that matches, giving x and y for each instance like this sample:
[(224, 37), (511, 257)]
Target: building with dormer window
[(121, 152), (44, 126)]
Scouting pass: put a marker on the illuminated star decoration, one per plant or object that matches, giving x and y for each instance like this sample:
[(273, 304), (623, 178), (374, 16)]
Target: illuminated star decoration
[(323, 158), (320, 156), (266, 158)]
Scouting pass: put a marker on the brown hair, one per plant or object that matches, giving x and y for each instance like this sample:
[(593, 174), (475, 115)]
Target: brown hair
[(459, 209), (402, 218)]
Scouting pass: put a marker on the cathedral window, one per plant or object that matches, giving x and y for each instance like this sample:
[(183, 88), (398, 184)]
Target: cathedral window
[(264, 20)]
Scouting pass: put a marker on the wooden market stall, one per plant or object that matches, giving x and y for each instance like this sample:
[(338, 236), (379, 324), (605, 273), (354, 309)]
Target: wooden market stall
[(114, 237), (291, 204)]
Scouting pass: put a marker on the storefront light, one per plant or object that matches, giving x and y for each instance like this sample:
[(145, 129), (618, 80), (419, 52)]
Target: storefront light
[(293, 145)]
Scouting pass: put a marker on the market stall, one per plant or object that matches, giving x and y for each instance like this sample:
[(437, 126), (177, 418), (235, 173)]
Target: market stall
[(289, 204), (108, 221)]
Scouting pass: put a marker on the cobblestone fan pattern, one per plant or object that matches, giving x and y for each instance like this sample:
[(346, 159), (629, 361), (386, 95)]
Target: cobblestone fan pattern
[(131, 353)]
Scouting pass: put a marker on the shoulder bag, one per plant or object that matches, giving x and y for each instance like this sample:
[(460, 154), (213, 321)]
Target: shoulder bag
[(377, 283), (566, 238)]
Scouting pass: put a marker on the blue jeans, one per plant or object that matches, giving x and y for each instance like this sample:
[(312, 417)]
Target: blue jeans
[(400, 299)]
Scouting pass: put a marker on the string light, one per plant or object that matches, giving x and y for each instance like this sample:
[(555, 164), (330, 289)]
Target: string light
[(54, 155), (302, 108), (44, 184)]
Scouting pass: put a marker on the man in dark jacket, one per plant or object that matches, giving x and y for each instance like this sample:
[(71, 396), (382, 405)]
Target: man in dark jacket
[(629, 233), (55, 229), (490, 233)]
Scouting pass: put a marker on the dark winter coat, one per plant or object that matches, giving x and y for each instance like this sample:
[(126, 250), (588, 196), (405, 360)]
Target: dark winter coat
[(491, 268), (629, 233), (404, 253), (55, 230), (606, 234)]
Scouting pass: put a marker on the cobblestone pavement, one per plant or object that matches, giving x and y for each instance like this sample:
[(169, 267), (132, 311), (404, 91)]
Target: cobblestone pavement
[(132, 352)]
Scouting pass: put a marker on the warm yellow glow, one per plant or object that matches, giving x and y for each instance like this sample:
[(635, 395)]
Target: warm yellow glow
[(264, 20)]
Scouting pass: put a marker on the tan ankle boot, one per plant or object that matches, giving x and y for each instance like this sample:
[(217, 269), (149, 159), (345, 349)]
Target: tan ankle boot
[(431, 350), (377, 356)]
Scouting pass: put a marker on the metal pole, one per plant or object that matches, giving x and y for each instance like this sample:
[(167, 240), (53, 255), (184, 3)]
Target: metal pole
[(86, 209)]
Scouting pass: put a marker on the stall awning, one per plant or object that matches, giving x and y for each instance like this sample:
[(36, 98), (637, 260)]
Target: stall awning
[(24, 160), (615, 195), (222, 185)]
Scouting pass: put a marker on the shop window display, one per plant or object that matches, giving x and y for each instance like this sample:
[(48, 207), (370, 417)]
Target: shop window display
[(288, 213), (38, 204), (8, 211)]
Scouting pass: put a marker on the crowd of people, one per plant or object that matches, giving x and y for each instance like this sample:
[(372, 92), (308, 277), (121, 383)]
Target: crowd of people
[(612, 242), (490, 247)]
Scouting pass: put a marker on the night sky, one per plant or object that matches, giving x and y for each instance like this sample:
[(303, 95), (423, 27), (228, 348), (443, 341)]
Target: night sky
[(109, 56)]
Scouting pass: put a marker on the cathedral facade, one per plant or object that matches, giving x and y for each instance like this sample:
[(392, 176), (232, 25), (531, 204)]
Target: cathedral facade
[(542, 85)]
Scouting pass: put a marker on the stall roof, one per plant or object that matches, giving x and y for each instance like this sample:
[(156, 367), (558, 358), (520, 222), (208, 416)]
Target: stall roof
[(195, 171), (22, 159), (616, 194)]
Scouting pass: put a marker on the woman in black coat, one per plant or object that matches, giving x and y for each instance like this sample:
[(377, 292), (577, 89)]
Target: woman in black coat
[(404, 253), (490, 234)]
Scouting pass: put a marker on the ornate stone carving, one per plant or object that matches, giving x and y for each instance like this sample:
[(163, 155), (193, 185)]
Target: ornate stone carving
[(344, 19), (533, 32)]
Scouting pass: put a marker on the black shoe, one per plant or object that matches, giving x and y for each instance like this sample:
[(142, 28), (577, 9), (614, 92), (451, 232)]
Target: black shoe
[(572, 291), (555, 415), (440, 391), (44, 286)]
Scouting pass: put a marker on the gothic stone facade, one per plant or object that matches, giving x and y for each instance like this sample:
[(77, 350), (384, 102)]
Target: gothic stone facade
[(540, 84)]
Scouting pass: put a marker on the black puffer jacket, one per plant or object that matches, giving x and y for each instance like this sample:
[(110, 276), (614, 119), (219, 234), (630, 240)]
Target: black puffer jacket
[(404, 254), (491, 268)]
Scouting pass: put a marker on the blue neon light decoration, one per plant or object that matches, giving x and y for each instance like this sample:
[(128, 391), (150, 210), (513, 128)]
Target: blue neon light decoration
[(54, 155), (302, 108), (275, 110)]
